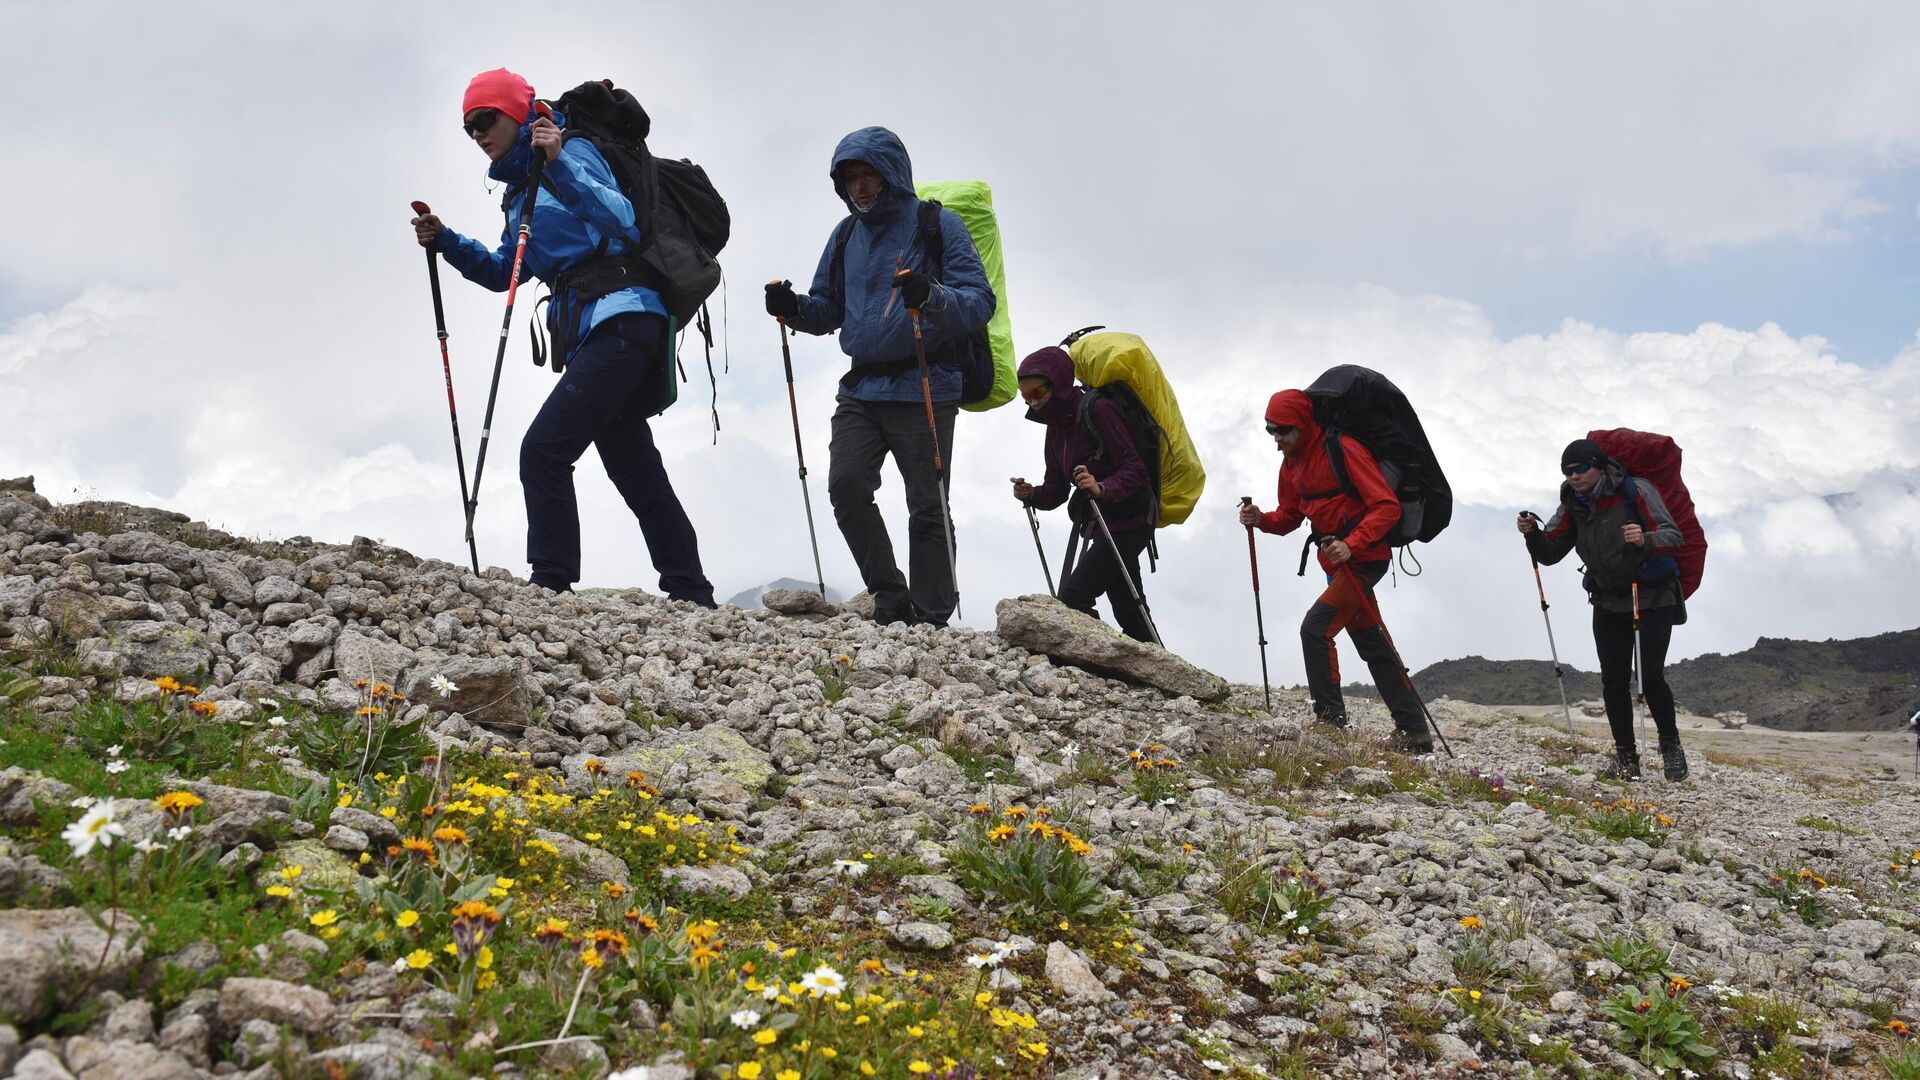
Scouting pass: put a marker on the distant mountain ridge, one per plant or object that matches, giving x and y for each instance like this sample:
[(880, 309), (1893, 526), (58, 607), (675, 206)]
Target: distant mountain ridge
[(1857, 684)]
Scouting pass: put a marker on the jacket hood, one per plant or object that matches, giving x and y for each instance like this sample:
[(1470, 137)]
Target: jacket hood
[(1054, 365), (883, 150), (517, 165), (1294, 409)]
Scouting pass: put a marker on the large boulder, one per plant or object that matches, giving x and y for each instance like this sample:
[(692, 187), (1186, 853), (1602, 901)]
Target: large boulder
[(154, 648), (1041, 624), (679, 757), (46, 951), (358, 655), (496, 692), (276, 1002)]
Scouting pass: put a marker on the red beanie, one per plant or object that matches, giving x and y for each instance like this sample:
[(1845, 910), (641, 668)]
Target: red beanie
[(498, 89), (1290, 408)]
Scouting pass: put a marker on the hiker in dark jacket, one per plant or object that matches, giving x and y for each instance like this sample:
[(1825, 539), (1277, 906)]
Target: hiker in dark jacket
[(881, 410), (1625, 536), (1351, 529), (618, 342), (1107, 469)]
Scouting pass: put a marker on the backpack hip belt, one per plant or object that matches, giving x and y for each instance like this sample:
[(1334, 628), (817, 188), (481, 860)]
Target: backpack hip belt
[(578, 285)]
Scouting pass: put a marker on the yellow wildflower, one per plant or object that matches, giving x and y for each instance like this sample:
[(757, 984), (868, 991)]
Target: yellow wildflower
[(419, 958), (406, 919)]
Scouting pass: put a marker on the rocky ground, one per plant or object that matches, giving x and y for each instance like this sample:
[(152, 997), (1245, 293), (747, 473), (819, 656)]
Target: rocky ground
[(435, 822)]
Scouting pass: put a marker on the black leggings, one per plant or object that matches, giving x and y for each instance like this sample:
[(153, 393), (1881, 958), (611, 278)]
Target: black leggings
[(1613, 640), (1096, 573)]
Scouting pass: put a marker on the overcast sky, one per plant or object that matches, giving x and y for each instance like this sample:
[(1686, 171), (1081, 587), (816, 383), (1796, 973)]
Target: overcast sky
[(1538, 220)]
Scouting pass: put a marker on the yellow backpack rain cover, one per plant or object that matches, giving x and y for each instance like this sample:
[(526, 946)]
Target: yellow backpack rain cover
[(1105, 357), (973, 201)]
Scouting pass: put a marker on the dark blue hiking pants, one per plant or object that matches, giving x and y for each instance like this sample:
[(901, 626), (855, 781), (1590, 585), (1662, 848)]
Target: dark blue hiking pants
[(600, 401)]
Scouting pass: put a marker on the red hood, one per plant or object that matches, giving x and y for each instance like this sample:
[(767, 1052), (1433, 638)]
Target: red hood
[(1294, 409)]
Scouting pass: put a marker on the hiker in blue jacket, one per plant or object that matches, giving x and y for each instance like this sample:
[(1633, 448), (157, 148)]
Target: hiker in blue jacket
[(612, 341), (880, 409)]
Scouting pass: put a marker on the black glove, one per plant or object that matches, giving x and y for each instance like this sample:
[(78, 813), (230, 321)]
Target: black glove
[(914, 288), (781, 303)]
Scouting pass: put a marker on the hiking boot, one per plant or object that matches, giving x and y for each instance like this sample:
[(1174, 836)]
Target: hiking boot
[(1414, 744), (1332, 718), (1674, 762), (1626, 766)]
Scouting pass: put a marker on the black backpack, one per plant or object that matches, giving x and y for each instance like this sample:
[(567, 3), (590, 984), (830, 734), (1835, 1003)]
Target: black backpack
[(1356, 401), (972, 354)]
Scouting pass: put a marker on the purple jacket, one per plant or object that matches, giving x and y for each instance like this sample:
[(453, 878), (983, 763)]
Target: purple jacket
[(1126, 503)]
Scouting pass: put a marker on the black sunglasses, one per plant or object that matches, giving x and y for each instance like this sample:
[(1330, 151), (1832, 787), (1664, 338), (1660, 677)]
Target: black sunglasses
[(1579, 467), (1277, 430), (481, 120)]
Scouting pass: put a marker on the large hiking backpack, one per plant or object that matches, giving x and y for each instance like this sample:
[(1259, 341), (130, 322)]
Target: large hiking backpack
[(1655, 459), (1120, 368), (683, 221), (984, 358), (1360, 402)]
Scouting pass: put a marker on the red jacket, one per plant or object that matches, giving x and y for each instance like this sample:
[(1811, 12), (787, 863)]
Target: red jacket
[(1309, 490)]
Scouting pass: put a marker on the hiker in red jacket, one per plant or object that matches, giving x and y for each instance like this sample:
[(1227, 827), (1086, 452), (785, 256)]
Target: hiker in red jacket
[(1350, 526), (1107, 469)]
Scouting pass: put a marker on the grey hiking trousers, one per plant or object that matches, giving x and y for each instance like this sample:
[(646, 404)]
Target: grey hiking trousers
[(864, 433)]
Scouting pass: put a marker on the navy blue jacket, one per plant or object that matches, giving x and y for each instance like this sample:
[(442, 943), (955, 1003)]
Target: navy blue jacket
[(871, 332)]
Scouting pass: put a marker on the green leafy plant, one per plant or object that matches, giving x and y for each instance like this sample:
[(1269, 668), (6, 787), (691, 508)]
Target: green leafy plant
[(374, 740), (1036, 871), (1295, 902), (1156, 775), (1657, 1026), (1800, 893), (1903, 1062), (833, 677), (1637, 955), (1625, 819)]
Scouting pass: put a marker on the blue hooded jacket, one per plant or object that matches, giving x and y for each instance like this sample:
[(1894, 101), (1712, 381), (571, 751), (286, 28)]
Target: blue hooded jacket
[(583, 205), (871, 333)]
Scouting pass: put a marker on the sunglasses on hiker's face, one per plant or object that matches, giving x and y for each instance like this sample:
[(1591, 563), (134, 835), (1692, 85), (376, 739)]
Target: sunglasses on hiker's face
[(1575, 470), (1034, 395), (1277, 430), (480, 121)]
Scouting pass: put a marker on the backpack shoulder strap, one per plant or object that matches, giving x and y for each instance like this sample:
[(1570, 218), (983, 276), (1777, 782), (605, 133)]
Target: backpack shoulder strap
[(1337, 457), (931, 229), (1630, 494), (1088, 427), (837, 270)]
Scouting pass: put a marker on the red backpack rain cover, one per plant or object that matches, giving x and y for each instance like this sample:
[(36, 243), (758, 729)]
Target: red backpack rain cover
[(1655, 459)]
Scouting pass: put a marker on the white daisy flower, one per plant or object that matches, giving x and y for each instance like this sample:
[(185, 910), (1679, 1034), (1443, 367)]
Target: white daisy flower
[(442, 685), (97, 826), (744, 1019)]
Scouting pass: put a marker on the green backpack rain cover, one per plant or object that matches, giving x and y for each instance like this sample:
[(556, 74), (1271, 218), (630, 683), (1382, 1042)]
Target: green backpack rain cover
[(973, 201)]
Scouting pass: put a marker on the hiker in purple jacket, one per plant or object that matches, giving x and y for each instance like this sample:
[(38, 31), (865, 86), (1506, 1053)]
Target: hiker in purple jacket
[(1091, 457)]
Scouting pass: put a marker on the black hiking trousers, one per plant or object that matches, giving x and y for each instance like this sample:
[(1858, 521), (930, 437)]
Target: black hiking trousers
[(1613, 640), (599, 402), (1097, 573), (864, 433), (1318, 632)]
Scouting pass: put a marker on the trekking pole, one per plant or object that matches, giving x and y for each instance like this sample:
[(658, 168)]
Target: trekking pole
[(1405, 675), (1120, 564), (1259, 618), (806, 498), (933, 430), (1639, 676), (421, 209), (1559, 673), (506, 321), (1033, 522)]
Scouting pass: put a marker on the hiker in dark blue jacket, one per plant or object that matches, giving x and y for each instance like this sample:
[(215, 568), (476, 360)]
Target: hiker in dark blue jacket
[(881, 410), (614, 346)]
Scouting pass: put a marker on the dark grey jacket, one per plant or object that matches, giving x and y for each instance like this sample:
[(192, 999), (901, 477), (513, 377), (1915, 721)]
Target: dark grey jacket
[(1591, 524)]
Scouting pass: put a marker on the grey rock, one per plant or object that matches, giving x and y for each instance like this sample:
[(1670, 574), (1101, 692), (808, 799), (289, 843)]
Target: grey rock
[(378, 1061), (153, 649), (678, 756), (300, 1007), (796, 602), (260, 1042), (943, 889), (599, 866), (495, 692), (709, 880), (576, 1056), (1452, 1049), (1070, 975), (275, 589), (1045, 625), (23, 792), (1565, 1001), (1364, 781), (129, 1021), (343, 839), (191, 1037), (1867, 935), (377, 829), (358, 655), (9, 1047), (922, 936), (45, 950), (95, 1059), (40, 1065)]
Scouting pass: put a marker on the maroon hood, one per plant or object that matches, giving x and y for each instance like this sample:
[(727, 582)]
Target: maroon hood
[(1054, 365)]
